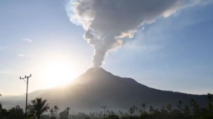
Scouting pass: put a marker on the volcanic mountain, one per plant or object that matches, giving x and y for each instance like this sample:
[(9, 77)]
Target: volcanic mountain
[(97, 87)]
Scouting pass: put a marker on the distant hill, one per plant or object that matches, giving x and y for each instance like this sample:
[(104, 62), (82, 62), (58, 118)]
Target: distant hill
[(97, 87)]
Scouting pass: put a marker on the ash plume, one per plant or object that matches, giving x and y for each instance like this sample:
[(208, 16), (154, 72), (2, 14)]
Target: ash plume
[(107, 22)]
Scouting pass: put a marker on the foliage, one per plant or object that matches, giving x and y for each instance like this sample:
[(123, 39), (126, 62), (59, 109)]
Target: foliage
[(37, 108), (190, 110), (13, 113)]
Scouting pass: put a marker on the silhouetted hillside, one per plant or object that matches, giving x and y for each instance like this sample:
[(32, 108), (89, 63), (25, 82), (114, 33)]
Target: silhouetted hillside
[(97, 87)]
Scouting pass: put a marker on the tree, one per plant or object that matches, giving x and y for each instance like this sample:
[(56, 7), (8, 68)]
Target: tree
[(163, 110), (51, 112), (121, 113), (151, 109), (194, 106), (131, 111), (4, 114), (38, 107), (65, 113), (135, 110), (16, 113), (186, 110), (144, 107), (68, 110), (209, 99), (1, 107), (179, 106), (108, 112), (169, 107), (113, 117), (104, 107), (56, 109)]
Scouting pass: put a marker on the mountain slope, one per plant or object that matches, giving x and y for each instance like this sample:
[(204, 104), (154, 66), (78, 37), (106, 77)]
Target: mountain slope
[(97, 87)]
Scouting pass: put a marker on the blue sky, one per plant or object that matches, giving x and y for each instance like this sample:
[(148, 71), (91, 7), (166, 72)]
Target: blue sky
[(173, 53)]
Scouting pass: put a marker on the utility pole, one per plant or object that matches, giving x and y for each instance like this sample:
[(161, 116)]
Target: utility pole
[(104, 107), (26, 80)]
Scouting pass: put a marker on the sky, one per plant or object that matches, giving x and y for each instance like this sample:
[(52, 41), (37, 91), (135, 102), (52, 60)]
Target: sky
[(172, 53)]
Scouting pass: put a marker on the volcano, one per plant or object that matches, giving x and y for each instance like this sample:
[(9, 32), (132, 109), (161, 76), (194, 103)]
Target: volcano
[(97, 87)]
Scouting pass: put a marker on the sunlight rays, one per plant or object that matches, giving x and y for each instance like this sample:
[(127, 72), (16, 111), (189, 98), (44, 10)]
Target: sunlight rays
[(58, 72)]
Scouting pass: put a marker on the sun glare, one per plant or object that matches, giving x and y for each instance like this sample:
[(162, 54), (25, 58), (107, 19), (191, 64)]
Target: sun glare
[(58, 73)]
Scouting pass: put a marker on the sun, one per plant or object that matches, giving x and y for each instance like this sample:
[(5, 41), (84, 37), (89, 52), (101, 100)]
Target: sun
[(58, 73)]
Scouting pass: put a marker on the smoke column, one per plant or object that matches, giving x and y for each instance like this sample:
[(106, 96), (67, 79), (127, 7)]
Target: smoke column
[(107, 22)]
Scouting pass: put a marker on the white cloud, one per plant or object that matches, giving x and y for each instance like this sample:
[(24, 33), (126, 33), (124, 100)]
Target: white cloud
[(21, 55), (26, 55), (32, 56), (156, 36), (6, 72), (28, 40), (2, 48)]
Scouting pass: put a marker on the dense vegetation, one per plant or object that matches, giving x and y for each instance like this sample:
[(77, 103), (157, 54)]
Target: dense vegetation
[(39, 109)]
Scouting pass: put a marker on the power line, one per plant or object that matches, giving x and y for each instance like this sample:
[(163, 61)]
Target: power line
[(26, 80)]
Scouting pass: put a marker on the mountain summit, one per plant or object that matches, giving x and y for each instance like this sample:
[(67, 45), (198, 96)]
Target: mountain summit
[(97, 87)]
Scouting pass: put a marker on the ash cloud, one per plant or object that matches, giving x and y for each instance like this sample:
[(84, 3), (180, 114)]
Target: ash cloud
[(107, 22)]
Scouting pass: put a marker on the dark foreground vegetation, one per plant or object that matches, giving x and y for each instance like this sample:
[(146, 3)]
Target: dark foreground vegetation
[(39, 109)]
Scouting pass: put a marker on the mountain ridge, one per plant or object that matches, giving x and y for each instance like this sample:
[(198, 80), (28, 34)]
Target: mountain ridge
[(97, 87)]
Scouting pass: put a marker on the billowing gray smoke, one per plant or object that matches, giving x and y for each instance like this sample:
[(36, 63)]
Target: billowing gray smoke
[(107, 22)]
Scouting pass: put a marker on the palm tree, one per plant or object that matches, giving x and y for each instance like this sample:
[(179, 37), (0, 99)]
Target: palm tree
[(192, 104), (92, 115), (135, 110), (100, 114), (144, 107), (121, 113), (38, 107), (65, 113), (1, 107), (186, 110), (179, 106), (108, 112), (209, 98), (104, 107), (68, 109), (131, 111), (112, 113), (56, 109), (163, 110), (51, 112), (151, 109), (169, 107)]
